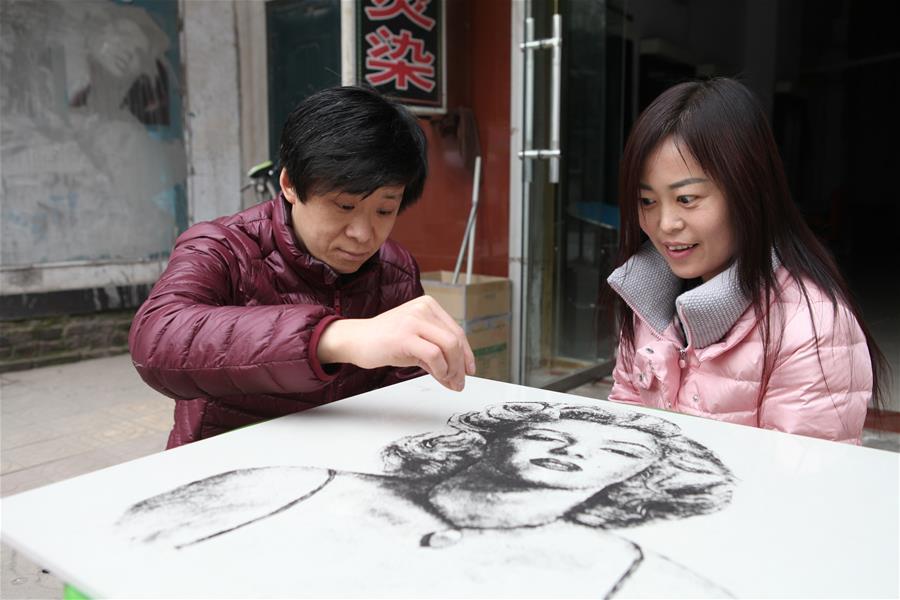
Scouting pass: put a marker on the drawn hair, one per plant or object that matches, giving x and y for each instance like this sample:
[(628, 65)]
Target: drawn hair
[(686, 480), (351, 139), (724, 128)]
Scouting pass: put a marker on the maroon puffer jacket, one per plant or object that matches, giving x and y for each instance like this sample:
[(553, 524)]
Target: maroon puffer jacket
[(231, 328)]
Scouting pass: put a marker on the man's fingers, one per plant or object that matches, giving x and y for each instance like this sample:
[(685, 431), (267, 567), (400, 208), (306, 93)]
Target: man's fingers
[(442, 316), (470, 359), (451, 346), (431, 358)]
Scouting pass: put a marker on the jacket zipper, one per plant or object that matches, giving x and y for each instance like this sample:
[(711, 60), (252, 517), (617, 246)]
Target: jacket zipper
[(332, 389), (687, 336), (655, 333)]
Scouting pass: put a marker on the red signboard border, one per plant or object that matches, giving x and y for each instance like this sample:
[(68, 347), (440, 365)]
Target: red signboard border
[(418, 109)]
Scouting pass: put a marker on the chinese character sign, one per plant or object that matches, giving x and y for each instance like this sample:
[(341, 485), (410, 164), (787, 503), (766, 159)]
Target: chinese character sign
[(401, 50)]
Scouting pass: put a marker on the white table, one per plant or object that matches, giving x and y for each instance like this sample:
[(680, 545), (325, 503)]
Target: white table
[(808, 518)]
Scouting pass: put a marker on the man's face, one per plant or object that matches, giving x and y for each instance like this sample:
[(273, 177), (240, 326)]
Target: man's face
[(344, 230)]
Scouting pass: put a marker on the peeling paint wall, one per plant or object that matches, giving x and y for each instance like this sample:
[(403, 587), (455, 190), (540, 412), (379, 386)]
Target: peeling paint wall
[(91, 138)]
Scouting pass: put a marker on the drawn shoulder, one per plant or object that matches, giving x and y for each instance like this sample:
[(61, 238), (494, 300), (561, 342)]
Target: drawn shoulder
[(656, 572), (214, 505)]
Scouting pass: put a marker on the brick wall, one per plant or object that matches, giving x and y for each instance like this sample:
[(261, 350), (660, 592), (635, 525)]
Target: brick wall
[(30, 343)]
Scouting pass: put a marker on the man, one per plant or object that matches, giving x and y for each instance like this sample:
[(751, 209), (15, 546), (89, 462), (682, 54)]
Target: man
[(302, 300)]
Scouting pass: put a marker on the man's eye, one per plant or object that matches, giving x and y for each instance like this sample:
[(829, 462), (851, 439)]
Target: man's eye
[(346, 207)]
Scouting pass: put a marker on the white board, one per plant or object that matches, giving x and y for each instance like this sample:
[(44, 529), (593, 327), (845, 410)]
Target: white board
[(304, 506)]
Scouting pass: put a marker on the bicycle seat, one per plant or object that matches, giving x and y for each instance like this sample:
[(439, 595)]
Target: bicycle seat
[(263, 169)]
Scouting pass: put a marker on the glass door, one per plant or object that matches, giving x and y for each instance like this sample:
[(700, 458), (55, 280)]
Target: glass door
[(577, 104)]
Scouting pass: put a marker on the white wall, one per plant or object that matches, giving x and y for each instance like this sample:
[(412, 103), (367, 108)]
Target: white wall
[(212, 123)]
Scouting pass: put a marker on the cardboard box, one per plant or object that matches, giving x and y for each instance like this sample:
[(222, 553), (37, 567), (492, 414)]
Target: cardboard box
[(486, 296), (482, 309), (489, 338)]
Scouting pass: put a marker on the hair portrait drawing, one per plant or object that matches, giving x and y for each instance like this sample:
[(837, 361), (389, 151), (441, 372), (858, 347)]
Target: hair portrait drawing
[(562, 478)]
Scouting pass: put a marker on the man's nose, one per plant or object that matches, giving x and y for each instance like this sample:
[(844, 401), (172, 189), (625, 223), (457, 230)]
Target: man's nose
[(360, 229)]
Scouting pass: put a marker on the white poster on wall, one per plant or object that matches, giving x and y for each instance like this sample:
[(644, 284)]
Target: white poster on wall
[(91, 134)]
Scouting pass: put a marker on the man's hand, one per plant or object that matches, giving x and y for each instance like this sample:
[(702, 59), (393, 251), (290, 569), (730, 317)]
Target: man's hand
[(418, 333)]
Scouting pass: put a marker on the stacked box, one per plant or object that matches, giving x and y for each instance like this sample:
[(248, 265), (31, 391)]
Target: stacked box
[(482, 309)]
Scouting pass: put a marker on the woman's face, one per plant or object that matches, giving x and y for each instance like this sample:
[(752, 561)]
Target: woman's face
[(573, 454), (121, 48), (685, 214)]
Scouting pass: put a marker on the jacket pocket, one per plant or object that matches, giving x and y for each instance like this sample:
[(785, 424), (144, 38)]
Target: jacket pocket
[(656, 375)]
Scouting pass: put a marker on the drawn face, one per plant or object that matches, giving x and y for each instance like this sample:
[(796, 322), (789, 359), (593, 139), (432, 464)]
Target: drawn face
[(685, 214), (573, 454), (344, 230), (121, 48)]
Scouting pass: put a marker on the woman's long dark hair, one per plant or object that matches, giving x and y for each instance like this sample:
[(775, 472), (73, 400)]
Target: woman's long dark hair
[(724, 128)]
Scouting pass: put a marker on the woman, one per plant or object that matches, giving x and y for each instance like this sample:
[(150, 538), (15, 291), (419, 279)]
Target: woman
[(730, 307), (519, 489)]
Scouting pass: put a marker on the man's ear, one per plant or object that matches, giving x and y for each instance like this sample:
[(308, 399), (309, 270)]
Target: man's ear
[(289, 192)]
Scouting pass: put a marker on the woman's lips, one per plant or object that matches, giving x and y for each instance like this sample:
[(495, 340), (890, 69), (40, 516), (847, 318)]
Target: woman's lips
[(679, 250), (555, 464)]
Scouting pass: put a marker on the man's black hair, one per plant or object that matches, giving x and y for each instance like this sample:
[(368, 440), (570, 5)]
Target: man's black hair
[(353, 140)]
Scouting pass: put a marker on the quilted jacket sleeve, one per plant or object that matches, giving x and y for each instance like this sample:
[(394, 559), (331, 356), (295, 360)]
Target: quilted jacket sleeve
[(820, 390), (397, 374), (188, 340)]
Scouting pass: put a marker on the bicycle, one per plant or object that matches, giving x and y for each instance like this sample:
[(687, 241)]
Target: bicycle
[(264, 181)]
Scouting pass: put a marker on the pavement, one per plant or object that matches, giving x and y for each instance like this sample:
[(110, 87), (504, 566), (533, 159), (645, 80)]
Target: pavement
[(62, 421)]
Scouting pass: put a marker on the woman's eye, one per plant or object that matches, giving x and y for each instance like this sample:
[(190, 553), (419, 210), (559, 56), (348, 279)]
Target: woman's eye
[(686, 199), (346, 207), (385, 213), (622, 452), (541, 438), (646, 202)]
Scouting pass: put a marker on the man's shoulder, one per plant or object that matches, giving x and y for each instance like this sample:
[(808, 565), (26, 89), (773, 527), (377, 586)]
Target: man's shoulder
[(249, 219), (241, 230), (397, 260)]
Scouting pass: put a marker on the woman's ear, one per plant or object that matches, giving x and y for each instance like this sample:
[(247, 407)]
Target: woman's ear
[(289, 192)]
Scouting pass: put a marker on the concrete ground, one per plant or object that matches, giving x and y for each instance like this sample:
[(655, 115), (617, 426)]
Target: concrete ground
[(62, 421)]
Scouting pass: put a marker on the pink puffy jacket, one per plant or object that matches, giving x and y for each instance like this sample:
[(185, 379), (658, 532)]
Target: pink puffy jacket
[(820, 392)]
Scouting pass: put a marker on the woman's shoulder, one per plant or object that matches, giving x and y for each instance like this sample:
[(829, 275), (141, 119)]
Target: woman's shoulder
[(796, 290), (805, 312), (215, 504)]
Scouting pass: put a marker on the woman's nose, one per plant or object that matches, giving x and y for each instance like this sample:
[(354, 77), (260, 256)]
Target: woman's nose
[(670, 219), (566, 450)]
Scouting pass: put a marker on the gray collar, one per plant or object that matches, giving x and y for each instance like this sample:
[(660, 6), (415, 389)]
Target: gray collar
[(647, 284)]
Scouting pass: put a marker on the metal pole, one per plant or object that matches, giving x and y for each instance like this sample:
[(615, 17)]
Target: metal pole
[(470, 222), (555, 93), (470, 259)]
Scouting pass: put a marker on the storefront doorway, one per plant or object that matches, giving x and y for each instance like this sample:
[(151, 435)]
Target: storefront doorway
[(576, 90)]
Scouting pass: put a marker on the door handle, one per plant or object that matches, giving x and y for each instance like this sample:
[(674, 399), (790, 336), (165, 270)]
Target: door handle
[(554, 44)]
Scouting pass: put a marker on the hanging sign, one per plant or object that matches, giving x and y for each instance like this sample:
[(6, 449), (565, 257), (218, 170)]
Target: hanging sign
[(401, 51)]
